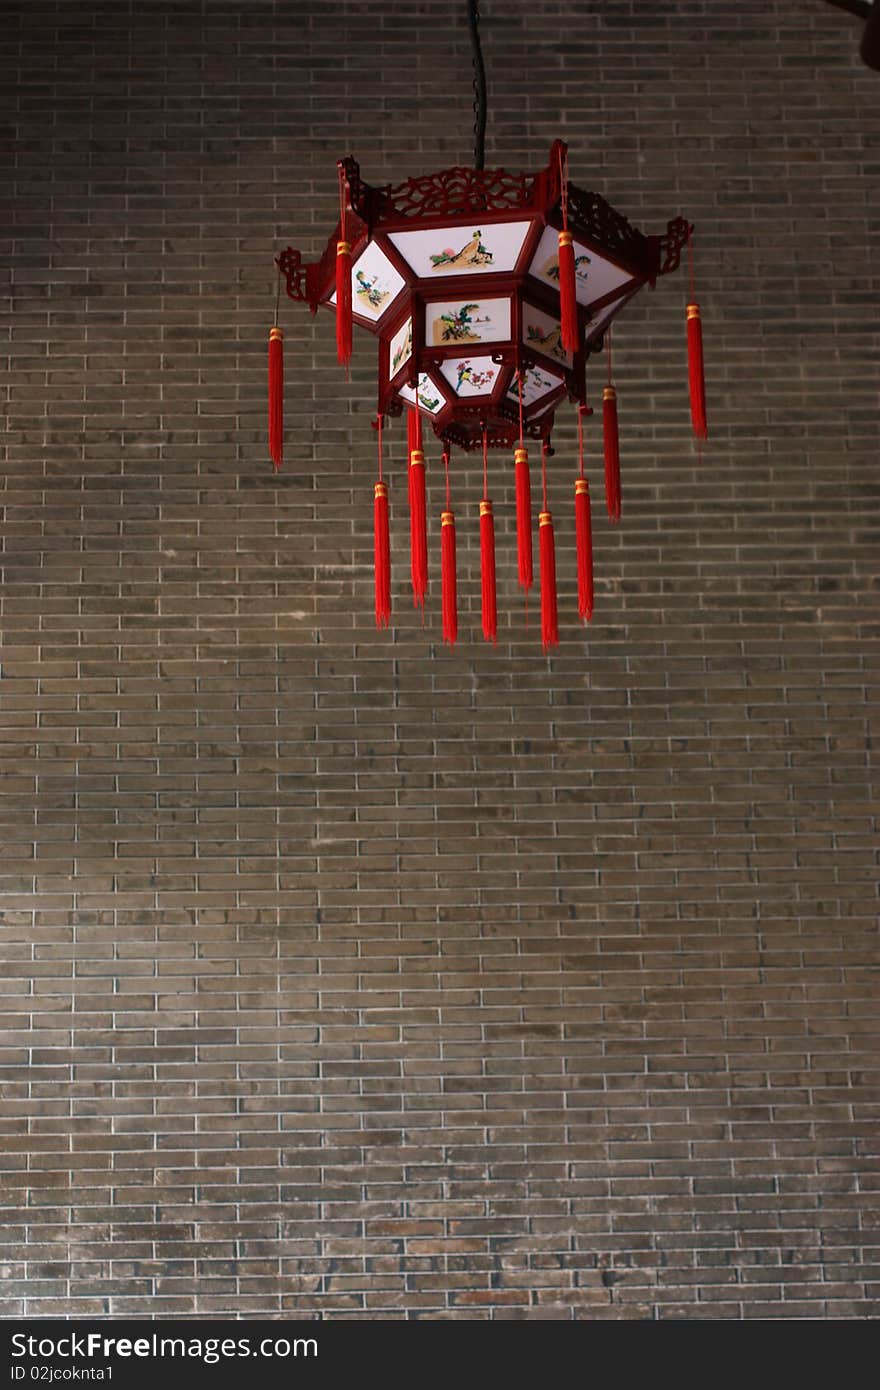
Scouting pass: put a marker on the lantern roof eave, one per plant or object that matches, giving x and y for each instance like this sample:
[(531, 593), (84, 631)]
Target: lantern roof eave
[(460, 194)]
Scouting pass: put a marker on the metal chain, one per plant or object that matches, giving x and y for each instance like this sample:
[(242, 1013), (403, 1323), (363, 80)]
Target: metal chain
[(473, 10)]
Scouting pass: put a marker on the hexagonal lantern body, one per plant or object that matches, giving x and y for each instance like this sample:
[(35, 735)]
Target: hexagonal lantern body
[(457, 274)]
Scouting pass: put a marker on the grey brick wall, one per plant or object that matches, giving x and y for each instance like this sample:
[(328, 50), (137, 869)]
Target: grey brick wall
[(345, 976)]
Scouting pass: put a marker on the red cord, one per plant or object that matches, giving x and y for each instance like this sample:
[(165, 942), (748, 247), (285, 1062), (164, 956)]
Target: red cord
[(519, 377), (544, 448), (582, 410), (563, 179), (485, 468), (379, 435), (446, 466)]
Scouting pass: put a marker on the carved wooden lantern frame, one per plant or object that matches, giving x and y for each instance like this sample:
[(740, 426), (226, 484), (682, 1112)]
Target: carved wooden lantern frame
[(457, 275)]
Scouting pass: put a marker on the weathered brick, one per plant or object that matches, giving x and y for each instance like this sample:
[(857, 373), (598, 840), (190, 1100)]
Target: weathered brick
[(344, 975)]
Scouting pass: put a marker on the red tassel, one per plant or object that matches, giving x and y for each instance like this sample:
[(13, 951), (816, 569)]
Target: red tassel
[(382, 553), (447, 577), (276, 397), (418, 528), (413, 428), (418, 524), (343, 302), (568, 294), (549, 615), (695, 371), (487, 572), (583, 528), (612, 452), (523, 518)]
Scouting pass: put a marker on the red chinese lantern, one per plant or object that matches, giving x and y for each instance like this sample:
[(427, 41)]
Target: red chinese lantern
[(488, 292)]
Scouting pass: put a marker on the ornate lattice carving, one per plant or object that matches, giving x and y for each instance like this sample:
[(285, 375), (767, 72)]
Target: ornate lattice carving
[(358, 191), (307, 282), (599, 222), (455, 192), (502, 428), (289, 263), (498, 436), (670, 245)]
